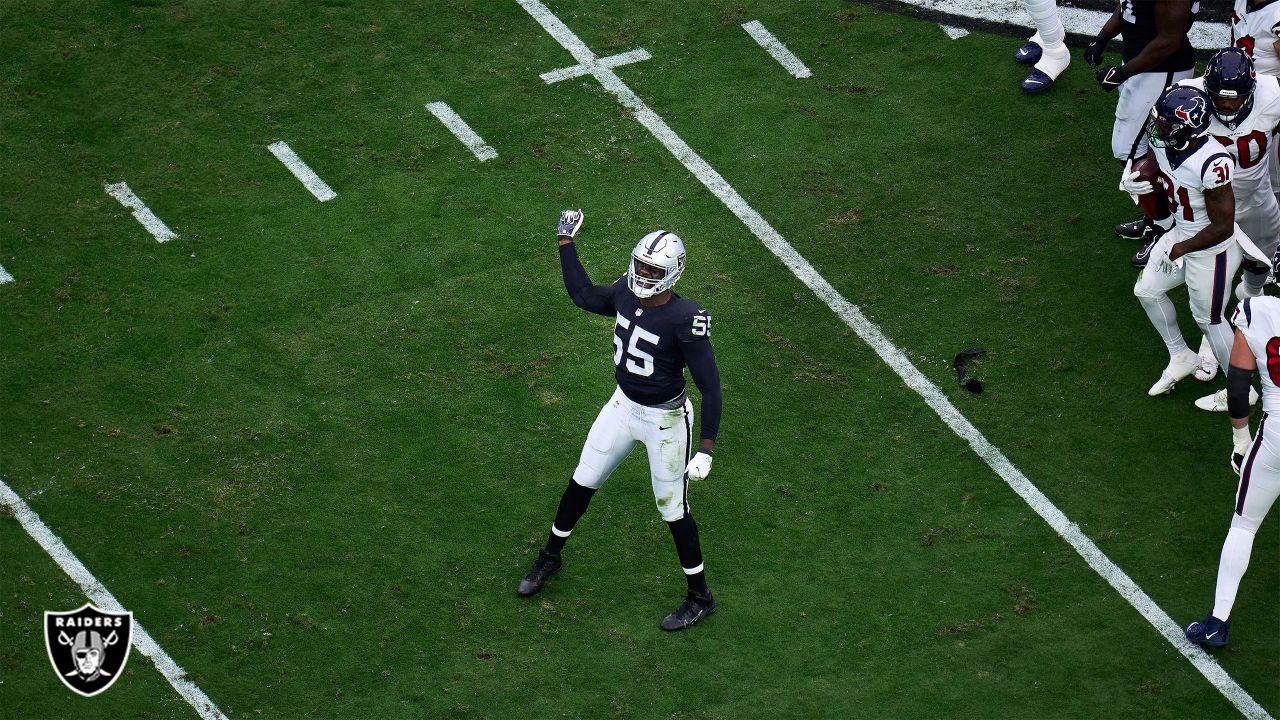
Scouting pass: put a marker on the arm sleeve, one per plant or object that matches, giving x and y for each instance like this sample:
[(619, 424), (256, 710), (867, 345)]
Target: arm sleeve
[(592, 298), (702, 366), (1239, 382)]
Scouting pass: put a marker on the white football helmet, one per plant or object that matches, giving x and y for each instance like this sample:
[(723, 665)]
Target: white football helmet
[(661, 255)]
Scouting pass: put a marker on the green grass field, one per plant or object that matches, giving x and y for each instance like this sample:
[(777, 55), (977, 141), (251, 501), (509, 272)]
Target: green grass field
[(314, 446)]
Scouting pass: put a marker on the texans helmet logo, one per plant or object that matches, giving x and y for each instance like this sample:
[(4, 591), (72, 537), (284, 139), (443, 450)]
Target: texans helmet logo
[(1191, 113)]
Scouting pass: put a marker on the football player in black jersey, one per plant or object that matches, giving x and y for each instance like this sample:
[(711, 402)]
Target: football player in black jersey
[(656, 334)]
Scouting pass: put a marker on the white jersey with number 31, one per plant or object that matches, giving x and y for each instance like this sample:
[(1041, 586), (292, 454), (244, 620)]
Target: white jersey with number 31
[(1258, 318), (1208, 167)]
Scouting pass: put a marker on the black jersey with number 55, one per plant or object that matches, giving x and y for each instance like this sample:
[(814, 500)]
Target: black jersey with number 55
[(652, 345)]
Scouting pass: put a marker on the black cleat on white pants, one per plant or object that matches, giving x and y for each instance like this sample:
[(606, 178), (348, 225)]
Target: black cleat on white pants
[(544, 567), (694, 608), (1134, 229)]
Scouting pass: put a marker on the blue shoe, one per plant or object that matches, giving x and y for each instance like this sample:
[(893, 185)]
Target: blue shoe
[(1028, 54), (1211, 632), (1036, 82)]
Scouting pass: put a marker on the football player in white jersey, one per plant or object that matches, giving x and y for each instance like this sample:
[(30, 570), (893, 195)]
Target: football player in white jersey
[(1201, 249), (1245, 111), (1256, 459), (1254, 26)]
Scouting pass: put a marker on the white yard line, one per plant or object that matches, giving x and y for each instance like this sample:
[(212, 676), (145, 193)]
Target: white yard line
[(5, 277), (853, 316), (774, 47), (154, 225), (613, 61), (462, 131), (1204, 35), (302, 171), (954, 33), (102, 597)]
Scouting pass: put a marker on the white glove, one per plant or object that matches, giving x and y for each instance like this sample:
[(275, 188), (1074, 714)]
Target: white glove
[(699, 467), (1163, 262), (570, 223), (1130, 182), (1239, 444)]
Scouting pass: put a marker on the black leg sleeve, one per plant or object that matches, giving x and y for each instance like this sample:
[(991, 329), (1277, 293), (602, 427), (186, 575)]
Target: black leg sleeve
[(572, 505), (685, 533)]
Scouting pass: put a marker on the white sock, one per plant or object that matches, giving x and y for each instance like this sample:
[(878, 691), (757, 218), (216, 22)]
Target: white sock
[(1235, 560), (1044, 13), (1164, 316), (1220, 339), (1206, 350)]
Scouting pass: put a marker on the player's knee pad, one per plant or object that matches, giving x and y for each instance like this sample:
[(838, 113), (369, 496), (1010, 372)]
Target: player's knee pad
[(670, 508), (589, 477), (1147, 292), (1240, 522)]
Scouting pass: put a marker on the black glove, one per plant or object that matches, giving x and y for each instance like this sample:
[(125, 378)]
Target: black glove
[(1110, 77), (1093, 52)]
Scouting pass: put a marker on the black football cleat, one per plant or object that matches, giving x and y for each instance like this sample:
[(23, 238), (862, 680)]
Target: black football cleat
[(1139, 259), (544, 567), (1132, 230), (1211, 632), (1150, 236), (694, 608)]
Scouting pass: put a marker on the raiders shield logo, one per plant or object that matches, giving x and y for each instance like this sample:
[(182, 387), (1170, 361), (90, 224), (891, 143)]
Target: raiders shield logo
[(88, 647)]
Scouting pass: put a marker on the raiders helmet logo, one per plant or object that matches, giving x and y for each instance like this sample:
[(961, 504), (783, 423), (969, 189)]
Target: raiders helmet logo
[(88, 647)]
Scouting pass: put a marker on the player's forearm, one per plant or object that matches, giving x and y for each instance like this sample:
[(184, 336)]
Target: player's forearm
[(1213, 234), (1239, 382), (576, 280), (1111, 28), (712, 402), (1156, 52)]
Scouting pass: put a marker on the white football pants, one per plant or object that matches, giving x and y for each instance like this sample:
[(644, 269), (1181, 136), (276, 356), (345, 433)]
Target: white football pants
[(1137, 96), (1208, 275), (1257, 492), (666, 434), (1261, 223)]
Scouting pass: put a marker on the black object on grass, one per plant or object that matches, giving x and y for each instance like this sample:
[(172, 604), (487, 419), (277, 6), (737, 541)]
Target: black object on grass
[(973, 385)]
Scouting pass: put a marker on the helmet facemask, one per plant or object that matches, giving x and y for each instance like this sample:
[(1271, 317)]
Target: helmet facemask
[(1236, 109), (647, 279)]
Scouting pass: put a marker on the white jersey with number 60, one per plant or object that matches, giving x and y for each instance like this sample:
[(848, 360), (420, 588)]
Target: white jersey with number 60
[(1258, 318), (1208, 167), (1249, 141)]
